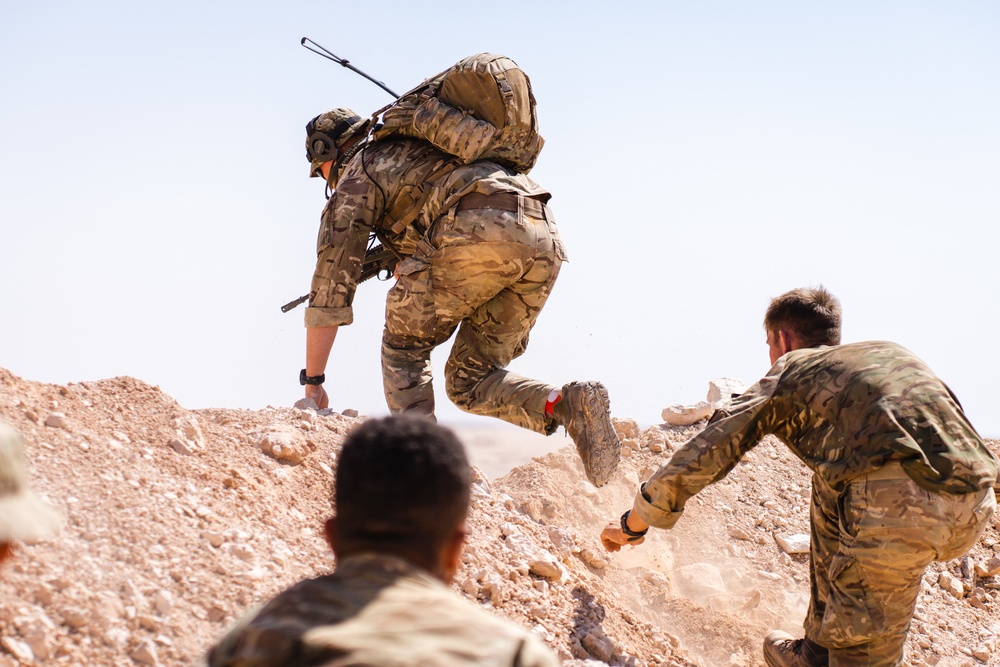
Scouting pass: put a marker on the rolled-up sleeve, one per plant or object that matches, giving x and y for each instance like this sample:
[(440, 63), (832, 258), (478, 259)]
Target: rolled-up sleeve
[(340, 255), (707, 457)]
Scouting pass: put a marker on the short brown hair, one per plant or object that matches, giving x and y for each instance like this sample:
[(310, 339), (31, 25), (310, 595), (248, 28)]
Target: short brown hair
[(811, 313)]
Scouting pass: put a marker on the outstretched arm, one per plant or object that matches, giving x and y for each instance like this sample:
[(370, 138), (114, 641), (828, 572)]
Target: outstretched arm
[(319, 342), (614, 537)]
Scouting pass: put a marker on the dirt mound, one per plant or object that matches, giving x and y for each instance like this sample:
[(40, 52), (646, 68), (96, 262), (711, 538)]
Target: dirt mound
[(180, 520)]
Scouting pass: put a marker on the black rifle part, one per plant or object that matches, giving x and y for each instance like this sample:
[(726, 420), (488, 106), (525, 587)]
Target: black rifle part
[(380, 262), (292, 304), (330, 55)]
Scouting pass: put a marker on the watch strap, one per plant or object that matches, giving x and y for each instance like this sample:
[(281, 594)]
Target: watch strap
[(311, 379)]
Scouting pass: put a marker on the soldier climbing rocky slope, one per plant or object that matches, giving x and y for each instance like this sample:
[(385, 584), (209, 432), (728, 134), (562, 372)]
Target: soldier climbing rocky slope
[(179, 520)]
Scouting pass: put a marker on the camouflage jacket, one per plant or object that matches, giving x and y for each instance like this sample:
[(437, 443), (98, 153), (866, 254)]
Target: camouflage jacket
[(409, 175), (376, 610), (845, 411)]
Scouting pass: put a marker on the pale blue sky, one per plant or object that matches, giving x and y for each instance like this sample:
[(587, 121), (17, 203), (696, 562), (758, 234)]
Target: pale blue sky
[(703, 157)]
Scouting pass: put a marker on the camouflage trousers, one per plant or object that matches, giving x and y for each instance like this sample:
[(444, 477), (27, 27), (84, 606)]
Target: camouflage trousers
[(487, 273), (870, 546)]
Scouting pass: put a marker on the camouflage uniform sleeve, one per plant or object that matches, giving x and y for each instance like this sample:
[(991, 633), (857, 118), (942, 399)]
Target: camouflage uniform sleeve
[(340, 250), (710, 455), (222, 653)]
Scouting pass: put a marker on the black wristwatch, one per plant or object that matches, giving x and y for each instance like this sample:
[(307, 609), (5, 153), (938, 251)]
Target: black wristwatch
[(632, 535), (311, 379)]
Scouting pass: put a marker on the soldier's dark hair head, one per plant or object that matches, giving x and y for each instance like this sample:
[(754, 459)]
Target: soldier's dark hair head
[(401, 487), (811, 313)]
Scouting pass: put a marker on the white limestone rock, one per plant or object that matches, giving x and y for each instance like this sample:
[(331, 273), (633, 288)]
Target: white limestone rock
[(686, 415), (540, 561), (189, 429), (562, 540), (796, 543), (182, 446), (306, 404), (284, 443), (722, 390), (952, 584), (18, 649), (703, 577), (625, 428)]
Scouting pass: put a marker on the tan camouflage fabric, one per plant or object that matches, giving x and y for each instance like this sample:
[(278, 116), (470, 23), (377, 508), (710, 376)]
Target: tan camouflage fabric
[(900, 479), (870, 545), (484, 272), (845, 411), (482, 108), (376, 610), (488, 273)]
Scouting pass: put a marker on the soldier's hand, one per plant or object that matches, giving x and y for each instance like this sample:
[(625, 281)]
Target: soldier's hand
[(614, 539), (318, 394)]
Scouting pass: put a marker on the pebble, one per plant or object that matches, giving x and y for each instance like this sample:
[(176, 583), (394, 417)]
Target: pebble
[(18, 649), (56, 420), (147, 622), (74, 617), (738, 533), (215, 539), (163, 602), (952, 584), (988, 568), (797, 543), (182, 447), (981, 653), (599, 646), (145, 653)]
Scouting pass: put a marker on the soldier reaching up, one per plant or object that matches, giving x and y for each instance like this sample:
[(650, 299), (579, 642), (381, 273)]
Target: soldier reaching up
[(900, 479)]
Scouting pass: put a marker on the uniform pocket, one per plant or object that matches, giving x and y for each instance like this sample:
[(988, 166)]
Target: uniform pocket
[(851, 615)]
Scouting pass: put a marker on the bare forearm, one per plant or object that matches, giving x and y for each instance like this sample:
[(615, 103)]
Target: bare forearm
[(319, 342)]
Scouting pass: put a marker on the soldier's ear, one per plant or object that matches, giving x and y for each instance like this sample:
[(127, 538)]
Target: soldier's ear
[(787, 340), (330, 530), (451, 553)]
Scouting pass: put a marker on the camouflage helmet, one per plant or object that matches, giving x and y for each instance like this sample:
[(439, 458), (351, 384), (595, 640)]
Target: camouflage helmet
[(326, 133)]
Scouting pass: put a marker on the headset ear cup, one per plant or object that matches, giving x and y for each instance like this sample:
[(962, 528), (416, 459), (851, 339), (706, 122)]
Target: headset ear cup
[(319, 146)]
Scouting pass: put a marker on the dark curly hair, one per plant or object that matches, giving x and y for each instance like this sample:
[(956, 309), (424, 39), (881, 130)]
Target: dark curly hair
[(401, 487)]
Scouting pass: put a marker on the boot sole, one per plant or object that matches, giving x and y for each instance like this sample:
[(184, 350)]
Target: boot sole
[(603, 447)]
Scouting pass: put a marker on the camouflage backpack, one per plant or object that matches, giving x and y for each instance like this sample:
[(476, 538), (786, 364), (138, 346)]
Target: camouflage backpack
[(480, 108)]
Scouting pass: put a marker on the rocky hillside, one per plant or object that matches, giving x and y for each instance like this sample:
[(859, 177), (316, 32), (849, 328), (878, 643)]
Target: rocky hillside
[(179, 520)]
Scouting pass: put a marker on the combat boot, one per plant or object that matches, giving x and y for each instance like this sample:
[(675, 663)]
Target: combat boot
[(585, 413), (783, 650)]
